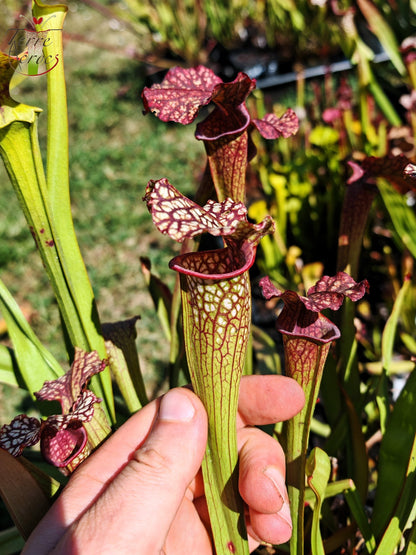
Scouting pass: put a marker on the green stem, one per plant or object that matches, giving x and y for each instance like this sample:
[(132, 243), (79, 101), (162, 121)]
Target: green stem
[(220, 473), (216, 328), (297, 434), (295, 481), (305, 360), (87, 333), (19, 149)]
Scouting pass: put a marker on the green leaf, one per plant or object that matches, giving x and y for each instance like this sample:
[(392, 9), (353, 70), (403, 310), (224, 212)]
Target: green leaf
[(411, 548), (161, 296), (360, 457), (357, 510), (120, 372), (389, 333), (402, 215), (383, 400), (409, 342), (36, 364), (318, 471), (323, 136), (7, 366), (347, 487), (73, 276), (10, 541), (394, 458), (124, 362), (383, 32), (48, 484), (404, 511)]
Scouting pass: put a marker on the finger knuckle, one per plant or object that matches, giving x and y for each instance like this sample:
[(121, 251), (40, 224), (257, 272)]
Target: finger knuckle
[(151, 460)]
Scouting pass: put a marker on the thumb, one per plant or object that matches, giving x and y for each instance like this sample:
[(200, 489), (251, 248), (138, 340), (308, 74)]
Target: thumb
[(139, 506)]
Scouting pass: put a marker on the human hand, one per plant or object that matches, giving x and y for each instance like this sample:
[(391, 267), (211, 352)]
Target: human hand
[(142, 491)]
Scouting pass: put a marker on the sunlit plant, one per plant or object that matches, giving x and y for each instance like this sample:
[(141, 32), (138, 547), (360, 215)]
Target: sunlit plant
[(214, 292), (215, 281), (307, 337), (63, 438), (216, 320)]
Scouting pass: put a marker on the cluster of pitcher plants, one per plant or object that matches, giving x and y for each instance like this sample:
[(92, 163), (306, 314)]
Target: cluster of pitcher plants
[(351, 472)]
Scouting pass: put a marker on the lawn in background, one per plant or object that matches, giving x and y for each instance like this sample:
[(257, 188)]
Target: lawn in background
[(114, 151)]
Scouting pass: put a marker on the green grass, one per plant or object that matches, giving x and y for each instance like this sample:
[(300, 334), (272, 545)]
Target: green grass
[(114, 151)]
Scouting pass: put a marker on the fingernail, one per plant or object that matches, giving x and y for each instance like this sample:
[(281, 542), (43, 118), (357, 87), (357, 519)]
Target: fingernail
[(284, 514), (176, 407), (278, 481)]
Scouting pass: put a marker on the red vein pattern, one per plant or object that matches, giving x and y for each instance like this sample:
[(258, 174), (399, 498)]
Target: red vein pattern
[(181, 94), (396, 169), (273, 127), (63, 437), (329, 292), (305, 360), (179, 217), (68, 387), (61, 444), (216, 304), (227, 162), (23, 431), (220, 316), (216, 317), (226, 129), (300, 315)]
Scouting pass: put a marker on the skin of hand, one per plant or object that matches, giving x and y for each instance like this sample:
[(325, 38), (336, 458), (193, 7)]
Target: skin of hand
[(142, 492)]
